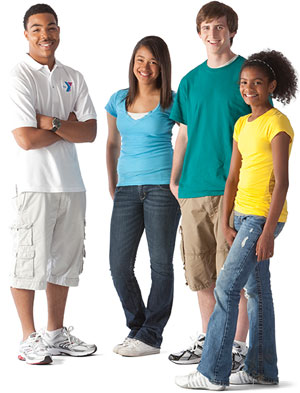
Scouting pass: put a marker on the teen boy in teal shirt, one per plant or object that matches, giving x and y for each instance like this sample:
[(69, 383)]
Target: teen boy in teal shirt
[(207, 105)]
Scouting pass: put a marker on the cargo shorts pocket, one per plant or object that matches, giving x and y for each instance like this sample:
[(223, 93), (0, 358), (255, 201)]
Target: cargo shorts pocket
[(23, 250), (182, 247), (24, 267), (22, 234), (83, 248)]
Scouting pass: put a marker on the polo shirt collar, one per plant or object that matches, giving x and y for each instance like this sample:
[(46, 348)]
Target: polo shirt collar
[(37, 66)]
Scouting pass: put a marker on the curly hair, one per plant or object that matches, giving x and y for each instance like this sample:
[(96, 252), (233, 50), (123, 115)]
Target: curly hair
[(276, 67), (38, 9)]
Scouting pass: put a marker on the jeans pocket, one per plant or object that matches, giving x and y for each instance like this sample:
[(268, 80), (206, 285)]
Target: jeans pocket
[(165, 187), (24, 266)]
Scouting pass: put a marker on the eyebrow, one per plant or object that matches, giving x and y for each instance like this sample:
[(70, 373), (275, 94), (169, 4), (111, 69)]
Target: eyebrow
[(253, 79), (39, 25), (152, 58)]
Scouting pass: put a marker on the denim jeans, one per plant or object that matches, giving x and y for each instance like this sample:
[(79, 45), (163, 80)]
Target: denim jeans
[(241, 270), (153, 208)]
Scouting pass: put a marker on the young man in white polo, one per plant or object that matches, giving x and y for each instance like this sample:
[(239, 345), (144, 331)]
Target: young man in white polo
[(207, 105), (51, 110)]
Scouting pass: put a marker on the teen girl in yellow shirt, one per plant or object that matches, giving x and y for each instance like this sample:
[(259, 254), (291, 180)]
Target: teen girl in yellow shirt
[(256, 189)]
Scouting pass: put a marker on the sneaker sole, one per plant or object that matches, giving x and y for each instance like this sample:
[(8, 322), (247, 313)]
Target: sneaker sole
[(46, 360), (185, 362), (59, 352), (132, 355)]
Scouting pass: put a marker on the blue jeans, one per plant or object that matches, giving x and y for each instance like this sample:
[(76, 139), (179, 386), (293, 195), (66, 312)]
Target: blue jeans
[(241, 270), (153, 208)]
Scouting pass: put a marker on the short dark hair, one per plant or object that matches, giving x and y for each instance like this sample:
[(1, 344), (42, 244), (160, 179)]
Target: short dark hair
[(38, 9), (276, 67), (160, 51), (215, 10)]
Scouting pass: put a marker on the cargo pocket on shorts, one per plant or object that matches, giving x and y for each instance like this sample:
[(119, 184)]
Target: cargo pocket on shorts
[(24, 267), (182, 247), (24, 250), (182, 251), (83, 249)]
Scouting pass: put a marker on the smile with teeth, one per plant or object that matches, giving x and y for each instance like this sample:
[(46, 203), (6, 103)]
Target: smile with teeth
[(46, 44), (144, 74), (251, 95)]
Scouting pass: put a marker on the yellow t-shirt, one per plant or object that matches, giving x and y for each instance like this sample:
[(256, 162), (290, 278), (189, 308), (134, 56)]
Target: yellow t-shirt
[(256, 182)]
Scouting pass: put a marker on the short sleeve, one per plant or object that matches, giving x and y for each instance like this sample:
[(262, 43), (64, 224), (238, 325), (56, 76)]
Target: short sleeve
[(280, 124), (179, 113), (111, 106), (84, 108), (22, 111), (237, 129)]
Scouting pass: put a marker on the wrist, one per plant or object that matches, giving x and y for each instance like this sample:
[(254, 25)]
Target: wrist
[(56, 124)]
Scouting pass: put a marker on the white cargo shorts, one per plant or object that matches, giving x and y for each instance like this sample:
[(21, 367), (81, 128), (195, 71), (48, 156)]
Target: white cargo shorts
[(48, 239)]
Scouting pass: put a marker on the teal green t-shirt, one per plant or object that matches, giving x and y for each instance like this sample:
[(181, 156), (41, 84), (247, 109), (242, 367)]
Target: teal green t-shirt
[(209, 102)]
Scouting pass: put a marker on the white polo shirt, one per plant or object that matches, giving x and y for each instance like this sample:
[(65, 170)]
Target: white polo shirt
[(57, 93)]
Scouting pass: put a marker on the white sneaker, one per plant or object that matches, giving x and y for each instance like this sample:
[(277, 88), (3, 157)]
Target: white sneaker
[(192, 355), (196, 380), (124, 343), (61, 342), (239, 352), (33, 350), (242, 378), (137, 348)]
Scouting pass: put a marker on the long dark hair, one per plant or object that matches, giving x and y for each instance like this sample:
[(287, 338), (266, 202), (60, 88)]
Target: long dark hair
[(160, 51)]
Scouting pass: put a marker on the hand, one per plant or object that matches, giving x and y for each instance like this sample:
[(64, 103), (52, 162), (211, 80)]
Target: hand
[(72, 117), (174, 190), (265, 246), (112, 190), (44, 122), (229, 234)]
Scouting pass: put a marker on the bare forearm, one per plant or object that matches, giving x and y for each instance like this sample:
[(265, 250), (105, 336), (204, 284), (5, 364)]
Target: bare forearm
[(29, 138), (71, 130), (276, 206), (112, 155), (78, 132), (178, 157), (228, 201)]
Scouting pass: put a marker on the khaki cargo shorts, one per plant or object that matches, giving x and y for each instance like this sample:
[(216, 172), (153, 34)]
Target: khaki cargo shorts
[(203, 245), (48, 235)]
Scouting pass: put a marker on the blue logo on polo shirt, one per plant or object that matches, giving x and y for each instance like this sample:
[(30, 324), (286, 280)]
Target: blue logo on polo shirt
[(68, 86)]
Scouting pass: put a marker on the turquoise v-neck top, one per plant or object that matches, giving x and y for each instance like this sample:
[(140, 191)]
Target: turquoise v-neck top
[(146, 148)]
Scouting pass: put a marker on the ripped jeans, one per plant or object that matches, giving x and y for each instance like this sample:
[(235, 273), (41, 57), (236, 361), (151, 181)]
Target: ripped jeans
[(241, 270)]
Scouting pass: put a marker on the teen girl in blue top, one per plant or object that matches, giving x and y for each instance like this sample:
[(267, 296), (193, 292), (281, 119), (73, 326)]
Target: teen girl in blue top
[(139, 161), (256, 189)]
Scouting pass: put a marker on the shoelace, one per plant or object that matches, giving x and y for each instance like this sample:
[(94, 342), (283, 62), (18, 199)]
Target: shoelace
[(127, 341), (37, 342), (196, 343), (134, 342), (71, 339)]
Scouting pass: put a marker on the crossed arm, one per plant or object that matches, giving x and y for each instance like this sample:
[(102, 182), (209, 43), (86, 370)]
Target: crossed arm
[(71, 130)]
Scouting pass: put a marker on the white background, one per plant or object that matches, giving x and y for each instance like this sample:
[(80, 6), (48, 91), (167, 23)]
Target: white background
[(97, 38)]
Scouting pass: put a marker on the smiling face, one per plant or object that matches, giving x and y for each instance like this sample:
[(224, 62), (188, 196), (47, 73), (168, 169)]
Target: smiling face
[(255, 87), (216, 36), (42, 34), (146, 68)]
